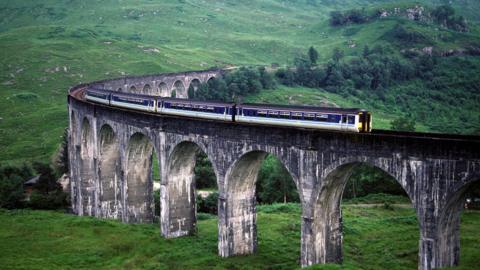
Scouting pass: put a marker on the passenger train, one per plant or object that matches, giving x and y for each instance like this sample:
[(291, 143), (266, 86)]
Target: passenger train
[(353, 120)]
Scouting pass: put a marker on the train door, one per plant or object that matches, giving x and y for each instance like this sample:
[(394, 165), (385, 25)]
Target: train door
[(344, 123)]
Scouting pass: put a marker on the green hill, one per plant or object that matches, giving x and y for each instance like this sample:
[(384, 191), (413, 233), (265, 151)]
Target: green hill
[(48, 46)]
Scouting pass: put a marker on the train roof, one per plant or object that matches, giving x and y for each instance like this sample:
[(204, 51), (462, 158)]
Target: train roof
[(191, 101), (302, 108)]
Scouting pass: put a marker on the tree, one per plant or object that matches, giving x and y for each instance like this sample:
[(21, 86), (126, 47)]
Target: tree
[(337, 55), (313, 55), (191, 92), (204, 174), (366, 51), (48, 192), (266, 79), (274, 183), (11, 185), (403, 124)]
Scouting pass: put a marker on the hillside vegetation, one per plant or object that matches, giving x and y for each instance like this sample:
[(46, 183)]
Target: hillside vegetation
[(48, 46)]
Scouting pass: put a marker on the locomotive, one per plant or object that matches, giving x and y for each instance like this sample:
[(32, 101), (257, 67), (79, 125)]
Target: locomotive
[(352, 120)]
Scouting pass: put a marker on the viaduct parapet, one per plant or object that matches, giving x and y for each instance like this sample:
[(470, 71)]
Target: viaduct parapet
[(111, 173)]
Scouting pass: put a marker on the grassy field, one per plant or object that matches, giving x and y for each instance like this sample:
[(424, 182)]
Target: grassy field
[(52, 240), (47, 47)]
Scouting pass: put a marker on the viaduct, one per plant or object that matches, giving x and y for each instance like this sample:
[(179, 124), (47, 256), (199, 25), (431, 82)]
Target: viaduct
[(111, 171)]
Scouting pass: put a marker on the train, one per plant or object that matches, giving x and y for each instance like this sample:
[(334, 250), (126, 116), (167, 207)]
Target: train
[(340, 119)]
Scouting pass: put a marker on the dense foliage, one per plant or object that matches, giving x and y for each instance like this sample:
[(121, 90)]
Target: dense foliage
[(353, 16), (376, 76), (445, 16), (11, 185), (233, 86), (274, 183), (47, 192), (208, 204), (204, 175)]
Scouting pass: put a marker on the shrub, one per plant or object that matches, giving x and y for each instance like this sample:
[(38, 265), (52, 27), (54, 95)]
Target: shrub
[(208, 204)]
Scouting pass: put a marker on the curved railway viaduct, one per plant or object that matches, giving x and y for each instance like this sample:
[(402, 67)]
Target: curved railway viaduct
[(111, 160)]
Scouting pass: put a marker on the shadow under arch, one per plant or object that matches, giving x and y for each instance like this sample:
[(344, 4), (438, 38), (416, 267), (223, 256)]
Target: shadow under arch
[(87, 171), (162, 90), (448, 229), (109, 172), (147, 89), (237, 205), (138, 202), (327, 228), (179, 89), (178, 197)]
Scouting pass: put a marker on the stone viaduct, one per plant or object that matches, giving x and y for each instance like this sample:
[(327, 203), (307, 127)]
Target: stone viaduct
[(111, 172), (163, 85)]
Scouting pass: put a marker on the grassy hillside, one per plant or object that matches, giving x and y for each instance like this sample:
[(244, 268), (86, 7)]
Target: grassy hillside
[(48, 46), (50, 240)]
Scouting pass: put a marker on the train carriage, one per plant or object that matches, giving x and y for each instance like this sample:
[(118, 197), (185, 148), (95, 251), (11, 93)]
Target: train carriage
[(197, 109), (355, 120), (99, 96), (134, 101)]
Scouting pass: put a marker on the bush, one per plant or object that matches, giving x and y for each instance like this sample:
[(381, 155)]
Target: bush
[(208, 204), (11, 185), (48, 201)]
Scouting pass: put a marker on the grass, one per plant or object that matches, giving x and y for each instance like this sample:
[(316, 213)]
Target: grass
[(53, 240), (47, 47)]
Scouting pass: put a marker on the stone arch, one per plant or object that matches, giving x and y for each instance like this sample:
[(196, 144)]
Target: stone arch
[(237, 209), (109, 172), (178, 88), (325, 226), (209, 80), (448, 229), (162, 90), (87, 170), (193, 87), (120, 89), (139, 184), (147, 89), (179, 214), (133, 89)]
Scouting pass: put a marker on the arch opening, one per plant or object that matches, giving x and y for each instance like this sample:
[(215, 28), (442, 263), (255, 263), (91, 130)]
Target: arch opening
[(178, 89), (457, 228), (162, 90), (147, 89), (193, 87), (109, 173), (238, 213), (120, 89), (187, 166), (370, 196), (133, 89), (139, 201), (87, 178)]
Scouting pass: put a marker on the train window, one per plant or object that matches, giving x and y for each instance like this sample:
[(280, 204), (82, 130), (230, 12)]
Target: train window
[(285, 115), (322, 117), (262, 113), (273, 114), (334, 118), (309, 116), (351, 119), (297, 115), (344, 119)]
